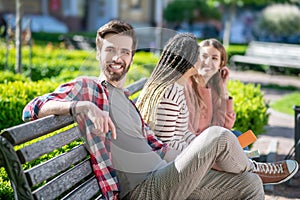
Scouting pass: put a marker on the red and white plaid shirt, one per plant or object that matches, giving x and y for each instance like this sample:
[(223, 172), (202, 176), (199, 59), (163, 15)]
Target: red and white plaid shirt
[(87, 89)]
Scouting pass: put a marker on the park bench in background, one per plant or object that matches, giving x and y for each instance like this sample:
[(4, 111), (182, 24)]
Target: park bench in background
[(65, 176), (271, 54)]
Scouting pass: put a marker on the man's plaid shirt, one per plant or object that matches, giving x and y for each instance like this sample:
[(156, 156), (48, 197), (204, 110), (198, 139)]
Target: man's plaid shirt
[(87, 89)]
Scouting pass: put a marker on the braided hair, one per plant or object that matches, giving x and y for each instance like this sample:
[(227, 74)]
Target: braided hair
[(179, 55)]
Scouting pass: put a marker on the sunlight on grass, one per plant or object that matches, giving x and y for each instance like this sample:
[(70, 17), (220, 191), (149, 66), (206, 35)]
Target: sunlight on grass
[(286, 103)]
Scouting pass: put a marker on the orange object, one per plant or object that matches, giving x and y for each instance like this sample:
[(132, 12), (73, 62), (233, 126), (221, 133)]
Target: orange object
[(247, 138)]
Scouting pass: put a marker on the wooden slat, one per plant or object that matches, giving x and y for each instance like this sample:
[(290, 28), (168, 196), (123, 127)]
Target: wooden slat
[(272, 54), (265, 61), (56, 165), (64, 182), (273, 51), (34, 129), (35, 150), (85, 191)]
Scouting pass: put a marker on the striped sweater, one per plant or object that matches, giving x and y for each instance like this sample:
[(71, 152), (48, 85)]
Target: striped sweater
[(171, 121)]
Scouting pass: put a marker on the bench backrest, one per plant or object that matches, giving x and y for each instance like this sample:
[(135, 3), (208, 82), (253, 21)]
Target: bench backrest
[(273, 50), (67, 175)]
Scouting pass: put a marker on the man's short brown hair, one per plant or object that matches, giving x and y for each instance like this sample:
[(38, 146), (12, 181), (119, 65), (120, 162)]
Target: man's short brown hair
[(115, 27)]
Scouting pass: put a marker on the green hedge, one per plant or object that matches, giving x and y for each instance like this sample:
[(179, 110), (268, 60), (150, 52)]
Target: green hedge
[(49, 61), (237, 49), (250, 107), (7, 76), (6, 191), (15, 95)]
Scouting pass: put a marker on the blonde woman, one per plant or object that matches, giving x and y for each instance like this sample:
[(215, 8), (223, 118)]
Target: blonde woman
[(206, 93)]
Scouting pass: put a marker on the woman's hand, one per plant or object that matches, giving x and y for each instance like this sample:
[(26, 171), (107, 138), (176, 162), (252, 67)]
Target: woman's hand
[(225, 75)]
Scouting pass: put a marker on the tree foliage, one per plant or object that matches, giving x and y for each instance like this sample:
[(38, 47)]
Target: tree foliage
[(190, 11), (231, 5), (280, 20)]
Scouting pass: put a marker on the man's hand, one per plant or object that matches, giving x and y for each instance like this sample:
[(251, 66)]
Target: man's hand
[(100, 119)]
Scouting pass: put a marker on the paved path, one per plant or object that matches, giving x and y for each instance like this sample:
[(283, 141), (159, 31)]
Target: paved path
[(280, 127)]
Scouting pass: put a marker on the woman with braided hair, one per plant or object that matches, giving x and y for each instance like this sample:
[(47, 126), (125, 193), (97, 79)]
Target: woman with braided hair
[(161, 102)]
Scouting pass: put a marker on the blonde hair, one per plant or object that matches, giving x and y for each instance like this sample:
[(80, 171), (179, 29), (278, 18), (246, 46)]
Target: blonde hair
[(178, 56)]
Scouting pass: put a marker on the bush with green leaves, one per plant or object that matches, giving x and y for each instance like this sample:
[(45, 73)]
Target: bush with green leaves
[(180, 11), (49, 61), (6, 191), (250, 107), (7, 76), (280, 20), (15, 95)]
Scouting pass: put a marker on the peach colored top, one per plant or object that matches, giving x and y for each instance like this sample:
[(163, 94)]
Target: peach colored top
[(218, 112)]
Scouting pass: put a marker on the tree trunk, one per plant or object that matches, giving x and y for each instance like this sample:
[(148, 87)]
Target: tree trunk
[(226, 36), (19, 36)]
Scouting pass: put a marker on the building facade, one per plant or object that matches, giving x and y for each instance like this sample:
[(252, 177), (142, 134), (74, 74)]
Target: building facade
[(88, 15)]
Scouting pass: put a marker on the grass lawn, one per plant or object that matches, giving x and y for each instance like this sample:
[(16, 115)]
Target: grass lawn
[(286, 103)]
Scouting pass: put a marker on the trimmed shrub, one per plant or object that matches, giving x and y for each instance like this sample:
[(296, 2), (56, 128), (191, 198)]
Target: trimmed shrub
[(250, 107), (50, 61), (6, 191), (7, 76), (15, 95)]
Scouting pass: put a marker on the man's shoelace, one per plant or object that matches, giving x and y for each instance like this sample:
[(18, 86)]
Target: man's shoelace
[(271, 168)]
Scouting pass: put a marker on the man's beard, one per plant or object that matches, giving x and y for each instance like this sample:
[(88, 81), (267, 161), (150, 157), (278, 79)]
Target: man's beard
[(115, 76)]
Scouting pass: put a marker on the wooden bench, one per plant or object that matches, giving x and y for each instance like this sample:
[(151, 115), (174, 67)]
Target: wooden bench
[(271, 54), (66, 175)]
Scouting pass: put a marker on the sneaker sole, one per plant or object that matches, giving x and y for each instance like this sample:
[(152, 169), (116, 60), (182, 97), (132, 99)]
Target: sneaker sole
[(287, 178)]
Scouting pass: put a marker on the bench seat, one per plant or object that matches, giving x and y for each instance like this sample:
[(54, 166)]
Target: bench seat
[(271, 54)]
